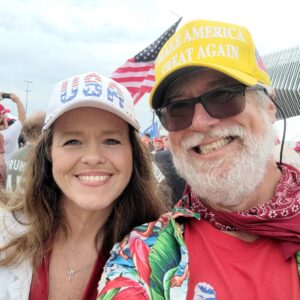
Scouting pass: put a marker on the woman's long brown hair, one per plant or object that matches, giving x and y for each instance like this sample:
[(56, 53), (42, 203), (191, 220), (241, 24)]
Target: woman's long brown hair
[(40, 209)]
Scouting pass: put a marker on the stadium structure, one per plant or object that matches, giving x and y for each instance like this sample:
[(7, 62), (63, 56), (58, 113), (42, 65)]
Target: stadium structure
[(284, 70)]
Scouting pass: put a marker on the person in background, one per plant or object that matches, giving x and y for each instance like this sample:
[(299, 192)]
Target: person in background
[(297, 148), (289, 155), (176, 184), (3, 167), (21, 140), (32, 129), (165, 142), (162, 183), (11, 133), (89, 182), (164, 163), (146, 138), (158, 144), (235, 233)]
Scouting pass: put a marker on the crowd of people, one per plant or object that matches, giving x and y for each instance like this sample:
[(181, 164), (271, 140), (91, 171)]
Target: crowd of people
[(90, 209)]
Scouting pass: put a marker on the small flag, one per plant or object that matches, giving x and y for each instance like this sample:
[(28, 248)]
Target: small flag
[(152, 130), (137, 74)]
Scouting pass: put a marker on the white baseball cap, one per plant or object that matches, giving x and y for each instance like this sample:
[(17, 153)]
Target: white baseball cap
[(90, 90)]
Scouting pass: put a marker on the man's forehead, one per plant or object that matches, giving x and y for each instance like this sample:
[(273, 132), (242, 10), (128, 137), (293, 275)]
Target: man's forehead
[(208, 78)]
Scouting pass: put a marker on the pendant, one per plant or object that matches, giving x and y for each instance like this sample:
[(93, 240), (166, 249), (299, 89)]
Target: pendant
[(70, 274)]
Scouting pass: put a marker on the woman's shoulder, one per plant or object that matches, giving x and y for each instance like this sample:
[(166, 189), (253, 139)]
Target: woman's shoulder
[(17, 278)]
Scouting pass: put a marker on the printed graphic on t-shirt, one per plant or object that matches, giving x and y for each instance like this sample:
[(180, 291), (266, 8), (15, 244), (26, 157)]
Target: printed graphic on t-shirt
[(204, 291)]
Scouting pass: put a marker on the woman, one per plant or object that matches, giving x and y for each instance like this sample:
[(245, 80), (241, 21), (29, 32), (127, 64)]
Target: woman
[(88, 184)]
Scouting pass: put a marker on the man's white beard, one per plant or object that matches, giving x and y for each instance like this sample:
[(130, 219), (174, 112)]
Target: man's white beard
[(230, 179)]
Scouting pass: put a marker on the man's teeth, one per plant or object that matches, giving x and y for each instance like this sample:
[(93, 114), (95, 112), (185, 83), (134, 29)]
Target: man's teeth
[(205, 149), (93, 178)]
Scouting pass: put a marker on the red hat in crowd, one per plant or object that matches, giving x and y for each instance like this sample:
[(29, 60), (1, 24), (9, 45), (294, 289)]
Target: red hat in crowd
[(297, 147), (3, 110), (158, 140)]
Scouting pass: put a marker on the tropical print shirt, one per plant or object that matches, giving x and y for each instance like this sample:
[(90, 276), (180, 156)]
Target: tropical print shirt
[(145, 264), (151, 261)]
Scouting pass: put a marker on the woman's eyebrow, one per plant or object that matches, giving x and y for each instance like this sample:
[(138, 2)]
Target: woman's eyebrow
[(71, 132), (104, 132)]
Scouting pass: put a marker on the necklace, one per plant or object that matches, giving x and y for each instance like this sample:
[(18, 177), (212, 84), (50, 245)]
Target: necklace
[(71, 272)]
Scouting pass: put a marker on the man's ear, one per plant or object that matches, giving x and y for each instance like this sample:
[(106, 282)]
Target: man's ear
[(271, 106), (272, 111)]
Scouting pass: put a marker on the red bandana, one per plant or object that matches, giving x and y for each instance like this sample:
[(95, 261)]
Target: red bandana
[(278, 218)]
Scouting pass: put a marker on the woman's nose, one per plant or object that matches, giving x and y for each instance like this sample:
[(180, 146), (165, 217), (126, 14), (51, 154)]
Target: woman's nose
[(93, 155)]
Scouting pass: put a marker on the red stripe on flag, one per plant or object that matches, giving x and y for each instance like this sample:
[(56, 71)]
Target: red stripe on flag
[(131, 79), (131, 69), (137, 73)]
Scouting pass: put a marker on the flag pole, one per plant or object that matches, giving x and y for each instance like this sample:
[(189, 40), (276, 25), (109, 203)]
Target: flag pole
[(153, 116), (174, 13)]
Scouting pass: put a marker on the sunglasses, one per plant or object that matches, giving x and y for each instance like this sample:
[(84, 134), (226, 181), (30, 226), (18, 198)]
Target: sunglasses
[(220, 103)]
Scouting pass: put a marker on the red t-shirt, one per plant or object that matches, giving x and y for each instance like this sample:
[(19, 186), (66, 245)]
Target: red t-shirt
[(40, 286), (227, 268)]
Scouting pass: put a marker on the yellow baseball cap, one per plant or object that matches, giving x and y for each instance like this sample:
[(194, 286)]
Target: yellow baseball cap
[(224, 47)]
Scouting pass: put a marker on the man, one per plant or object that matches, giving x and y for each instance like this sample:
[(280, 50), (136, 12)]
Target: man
[(146, 138), (158, 144), (236, 232), (11, 132), (164, 161), (165, 142), (32, 129)]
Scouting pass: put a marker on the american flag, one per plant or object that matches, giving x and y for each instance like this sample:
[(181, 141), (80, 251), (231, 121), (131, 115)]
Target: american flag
[(137, 74), (259, 61)]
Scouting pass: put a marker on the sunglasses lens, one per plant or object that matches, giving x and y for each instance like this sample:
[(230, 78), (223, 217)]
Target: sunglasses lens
[(177, 116), (220, 103), (224, 104)]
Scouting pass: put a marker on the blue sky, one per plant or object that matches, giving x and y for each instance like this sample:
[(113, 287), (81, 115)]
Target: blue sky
[(46, 41)]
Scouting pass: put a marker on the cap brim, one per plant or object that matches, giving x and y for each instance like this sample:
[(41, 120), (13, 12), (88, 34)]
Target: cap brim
[(158, 92), (94, 104)]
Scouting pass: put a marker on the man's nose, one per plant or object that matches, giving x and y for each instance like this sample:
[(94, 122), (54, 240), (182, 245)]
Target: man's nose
[(202, 121)]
